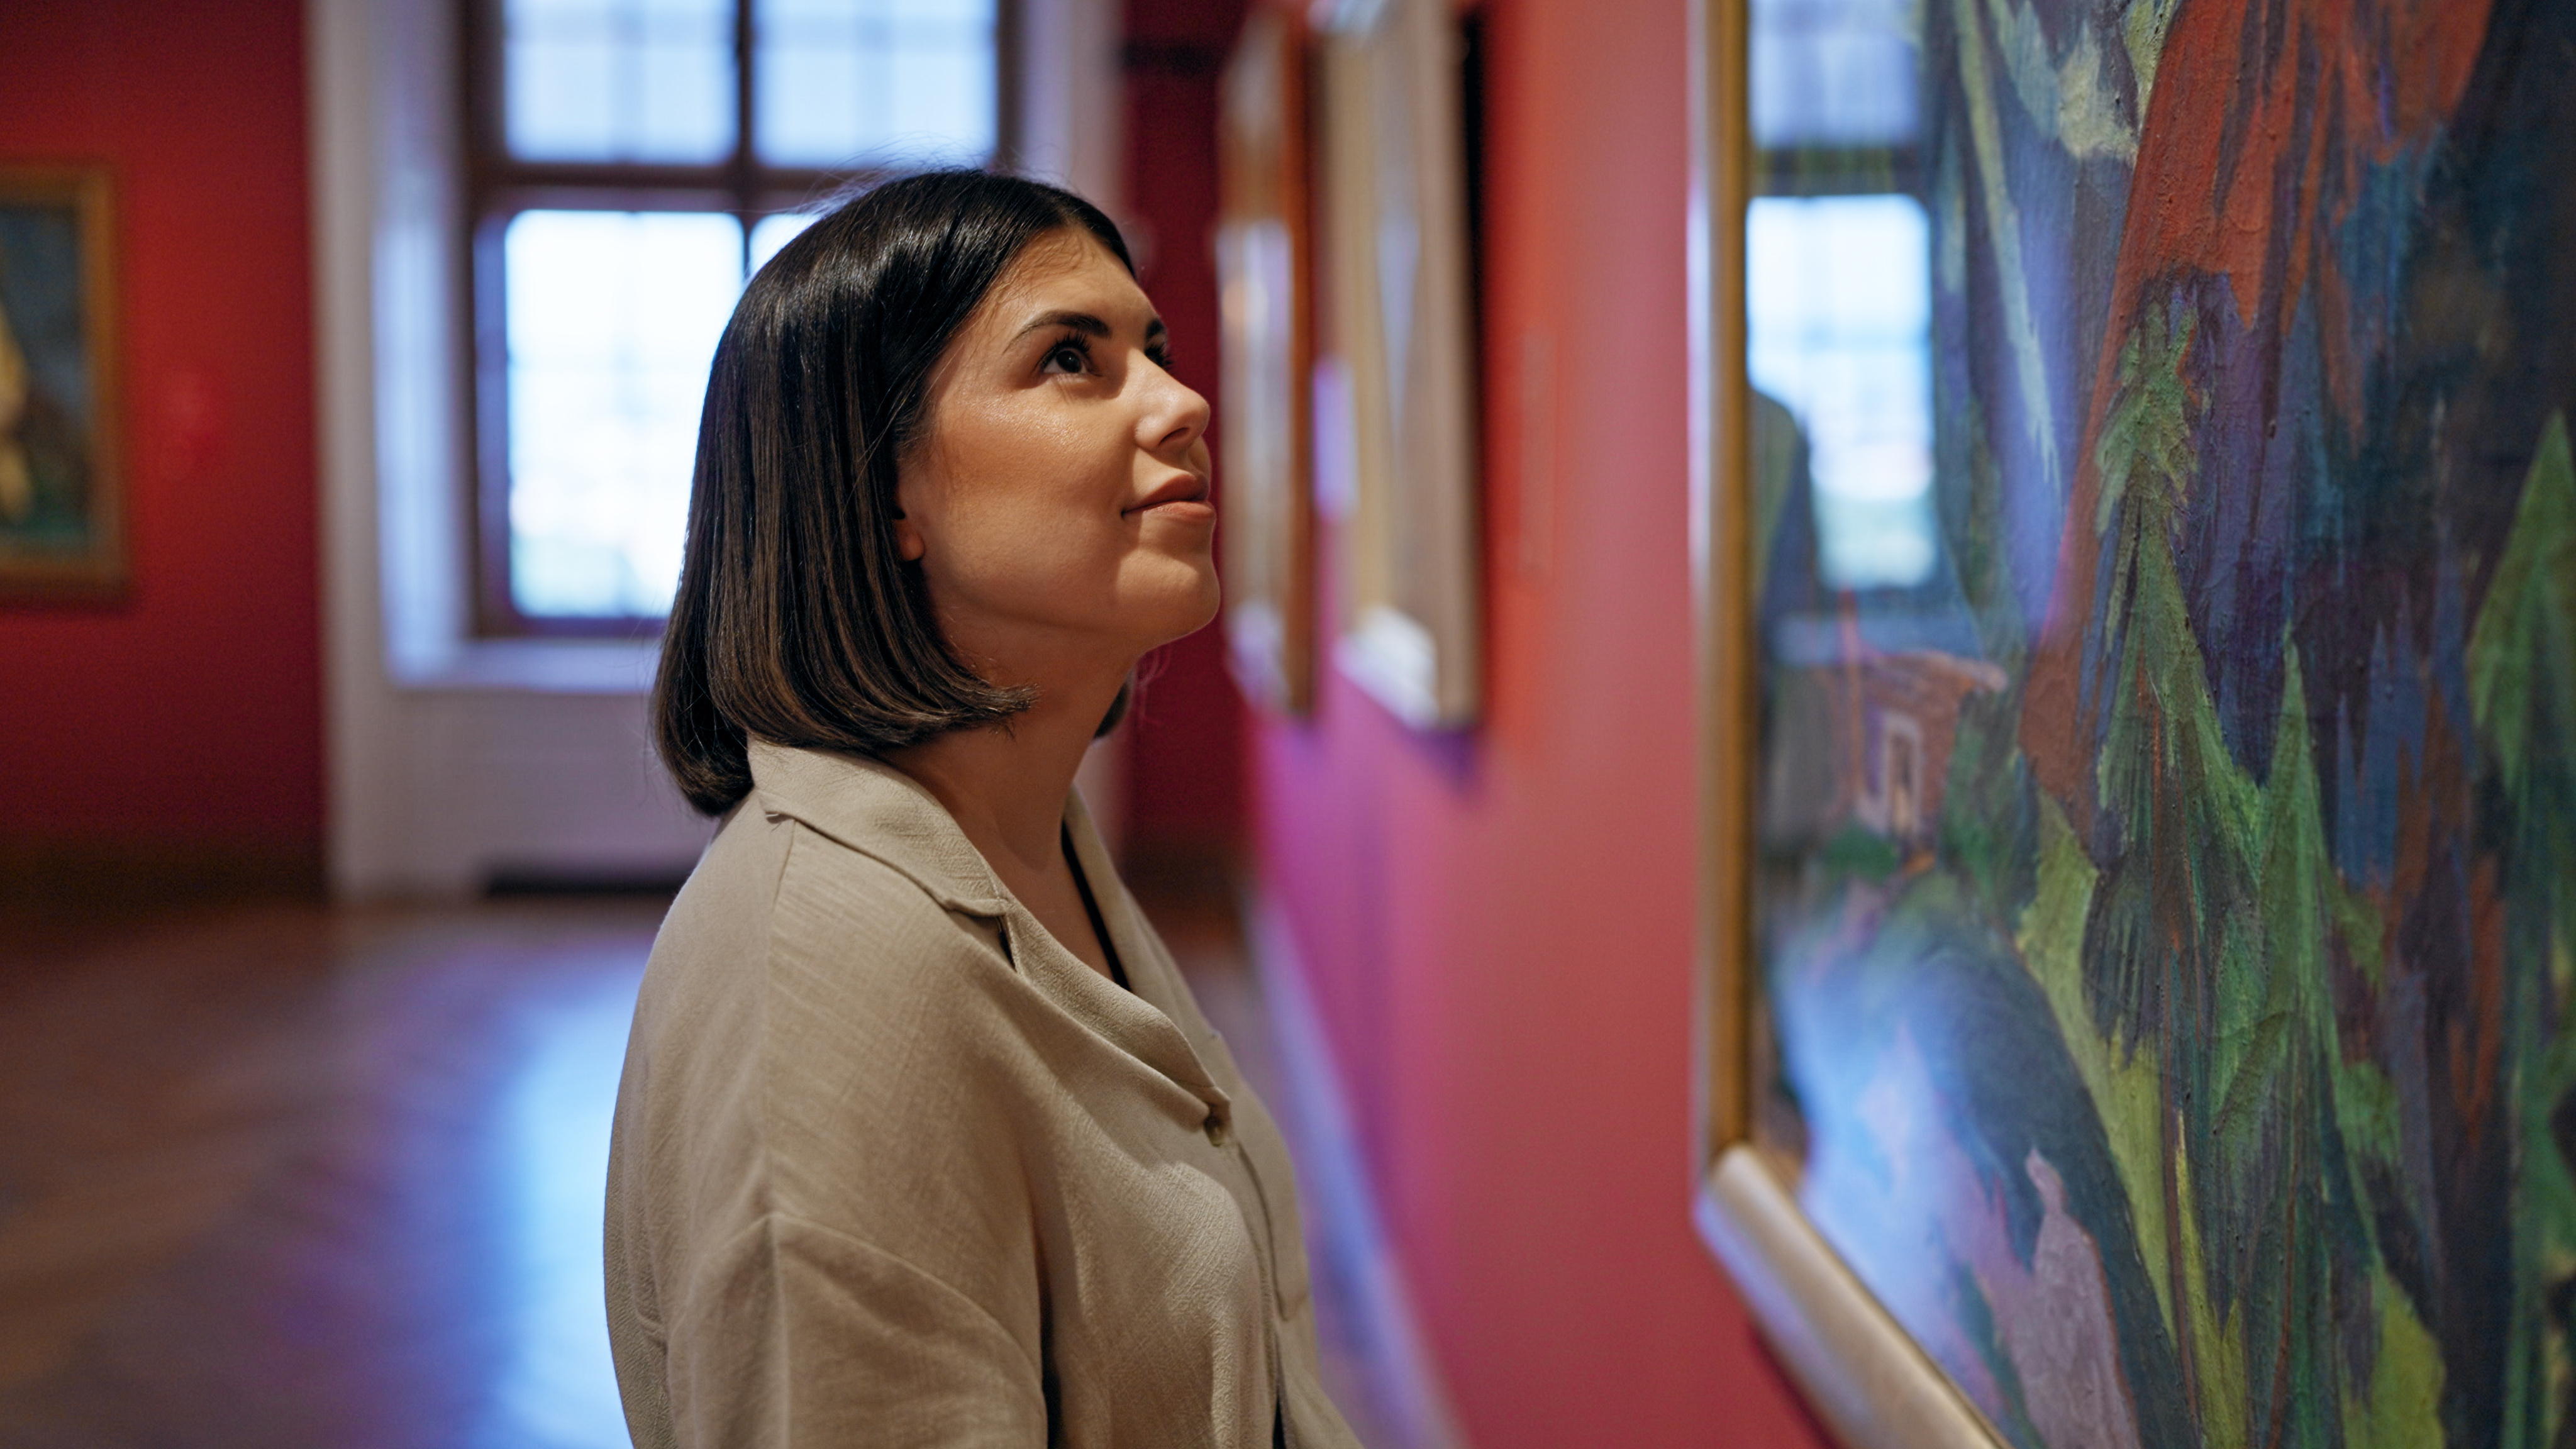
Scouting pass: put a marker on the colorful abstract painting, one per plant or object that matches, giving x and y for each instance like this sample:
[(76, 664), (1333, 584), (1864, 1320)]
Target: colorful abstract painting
[(2166, 521)]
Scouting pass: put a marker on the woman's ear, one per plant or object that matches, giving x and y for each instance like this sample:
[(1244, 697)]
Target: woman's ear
[(909, 545)]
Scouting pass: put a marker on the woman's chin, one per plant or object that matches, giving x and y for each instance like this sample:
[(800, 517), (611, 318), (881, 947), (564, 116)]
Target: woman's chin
[(1180, 607), (1199, 613)]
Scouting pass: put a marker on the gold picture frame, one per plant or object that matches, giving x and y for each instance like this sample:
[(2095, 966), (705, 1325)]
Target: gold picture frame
[(1265, 271), (1866, 1378), (1400, 282), (62, 495)]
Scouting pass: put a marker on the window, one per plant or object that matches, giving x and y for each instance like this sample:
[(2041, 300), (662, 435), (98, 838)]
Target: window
[(1838, 277), (631, 162)]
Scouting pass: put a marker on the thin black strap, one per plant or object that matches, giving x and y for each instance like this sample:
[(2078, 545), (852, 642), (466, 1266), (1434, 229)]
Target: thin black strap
[(1091, 908)]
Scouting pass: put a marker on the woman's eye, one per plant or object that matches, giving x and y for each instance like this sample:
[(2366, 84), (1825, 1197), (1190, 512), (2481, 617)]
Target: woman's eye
[(1067, 358)]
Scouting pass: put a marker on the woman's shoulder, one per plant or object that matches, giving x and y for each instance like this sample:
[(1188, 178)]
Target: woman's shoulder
[(814, 1040), (796, 973), (776, 894)]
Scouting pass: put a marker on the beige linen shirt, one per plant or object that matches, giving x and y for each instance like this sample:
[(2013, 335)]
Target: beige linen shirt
[(893, 1167)]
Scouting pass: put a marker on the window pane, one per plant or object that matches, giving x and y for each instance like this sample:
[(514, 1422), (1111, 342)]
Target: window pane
[(612, 319), (862, 82), (772, 232), (1838, 301), (1833, 73), (619, 80)]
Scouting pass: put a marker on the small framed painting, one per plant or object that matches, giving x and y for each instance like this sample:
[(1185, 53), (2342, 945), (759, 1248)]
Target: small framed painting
[(61, 486), (1398, 251), (1265, 263)]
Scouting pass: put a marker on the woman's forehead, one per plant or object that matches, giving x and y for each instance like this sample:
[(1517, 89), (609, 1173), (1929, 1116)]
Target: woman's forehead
[(1068, 271)]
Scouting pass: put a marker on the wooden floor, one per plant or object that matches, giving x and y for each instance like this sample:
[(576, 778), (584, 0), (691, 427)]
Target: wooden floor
[(286, 1175)]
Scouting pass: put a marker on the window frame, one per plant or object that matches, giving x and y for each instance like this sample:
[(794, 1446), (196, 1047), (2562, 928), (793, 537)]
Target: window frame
[(498, 186)]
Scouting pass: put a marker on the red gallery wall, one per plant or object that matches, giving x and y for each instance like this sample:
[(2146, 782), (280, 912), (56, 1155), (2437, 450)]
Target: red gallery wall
[(1185, 776), (189, 715), (1498, 924)]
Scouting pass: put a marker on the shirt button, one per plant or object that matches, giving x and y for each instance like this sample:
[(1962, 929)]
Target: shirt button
[(1216, 1130)]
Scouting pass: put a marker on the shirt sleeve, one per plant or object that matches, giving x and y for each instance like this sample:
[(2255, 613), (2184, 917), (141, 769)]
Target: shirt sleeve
[(796, 1335)]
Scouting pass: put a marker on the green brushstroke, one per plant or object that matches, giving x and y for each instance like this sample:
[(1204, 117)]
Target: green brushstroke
[(2147, 437), (2217, 1339), (1988, 826), (2128, 1095), (2142, 34), (2401, 1406), (2208, 944), (2524, 700), (2522, 664), (2522, 693)]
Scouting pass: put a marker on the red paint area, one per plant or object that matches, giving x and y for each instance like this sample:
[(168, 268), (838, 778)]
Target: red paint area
[(2255, 106), (189, 713), (2253, 102)]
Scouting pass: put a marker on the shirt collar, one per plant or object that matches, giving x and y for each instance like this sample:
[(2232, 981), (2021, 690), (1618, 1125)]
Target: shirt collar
[(882, 813)]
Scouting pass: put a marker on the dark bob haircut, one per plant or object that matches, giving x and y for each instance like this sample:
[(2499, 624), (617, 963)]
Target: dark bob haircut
[(797, 621)]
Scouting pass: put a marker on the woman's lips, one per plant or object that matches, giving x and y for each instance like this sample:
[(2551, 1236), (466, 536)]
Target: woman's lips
[(1183, 499), (1181, 510)]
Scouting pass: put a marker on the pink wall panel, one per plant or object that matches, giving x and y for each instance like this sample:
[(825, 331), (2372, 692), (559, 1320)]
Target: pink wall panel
[(1498, 924), (1185, 783)]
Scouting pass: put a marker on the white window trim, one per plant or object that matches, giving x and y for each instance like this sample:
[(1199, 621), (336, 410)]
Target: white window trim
[(453, 756)]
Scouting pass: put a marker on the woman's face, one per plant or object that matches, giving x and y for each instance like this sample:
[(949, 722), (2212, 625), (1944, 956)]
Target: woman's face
[(1057, 496)]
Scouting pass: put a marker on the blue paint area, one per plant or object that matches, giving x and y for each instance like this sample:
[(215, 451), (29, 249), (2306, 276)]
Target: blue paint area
[(40, 286)]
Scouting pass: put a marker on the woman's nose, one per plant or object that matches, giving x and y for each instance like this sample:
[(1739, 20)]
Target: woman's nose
[(1178, 415)]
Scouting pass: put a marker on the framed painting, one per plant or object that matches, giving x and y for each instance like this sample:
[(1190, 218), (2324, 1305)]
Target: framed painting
[(1265, 258), (2138, 517), (61, 489), (1401, 284)]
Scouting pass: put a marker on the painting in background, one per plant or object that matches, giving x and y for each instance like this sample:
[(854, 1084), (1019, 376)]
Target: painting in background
[(1264, 253), (61, 524), (2163, 523), (1398, 398)]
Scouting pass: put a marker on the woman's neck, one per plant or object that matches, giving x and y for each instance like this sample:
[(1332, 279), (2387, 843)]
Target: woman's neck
[(1006, 784)]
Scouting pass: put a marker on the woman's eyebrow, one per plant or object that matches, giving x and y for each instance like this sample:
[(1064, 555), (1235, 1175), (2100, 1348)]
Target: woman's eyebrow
[(1088, 325), (1082, 322)]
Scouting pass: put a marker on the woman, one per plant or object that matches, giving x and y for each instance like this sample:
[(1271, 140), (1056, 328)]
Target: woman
[(921, 1138)]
